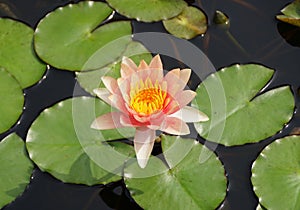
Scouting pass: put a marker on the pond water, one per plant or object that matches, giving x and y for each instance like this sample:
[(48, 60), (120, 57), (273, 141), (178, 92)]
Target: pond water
[(261, 39)]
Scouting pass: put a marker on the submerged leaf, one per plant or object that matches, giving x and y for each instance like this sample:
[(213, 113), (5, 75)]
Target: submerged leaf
[(189, 184), (12, 100), (16, 169), (276, 174), (148, 10), (62, 143), (291, 13), (190, 23), (70, 37), (16, 52), (237, 114)]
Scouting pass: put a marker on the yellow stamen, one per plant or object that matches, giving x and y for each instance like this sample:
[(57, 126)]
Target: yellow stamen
[(149, 98)]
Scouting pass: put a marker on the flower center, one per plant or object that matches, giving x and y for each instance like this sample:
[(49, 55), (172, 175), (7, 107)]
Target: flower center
[(148, 101)]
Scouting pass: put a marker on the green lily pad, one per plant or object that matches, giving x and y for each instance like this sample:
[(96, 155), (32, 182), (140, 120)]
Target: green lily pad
[(276, 174), (12, 100), (16, 52), (291, 13), (237, 114), (90, 80), (70, 37), (148, 10), (187, 185), (57, 141), (188, 24), (16, 169)]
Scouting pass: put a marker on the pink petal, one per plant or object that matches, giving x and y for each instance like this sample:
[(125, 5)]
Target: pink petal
[(129, 63), (175, 126), (143, 144), (190, 114), (126, 70), (110, 83), (156, 75), (173, 81), (118, 102), (185, 75), (156, 63), (124, 87), (184, 97), (103, 94), (143, 66), (107, 121), (129, 121)]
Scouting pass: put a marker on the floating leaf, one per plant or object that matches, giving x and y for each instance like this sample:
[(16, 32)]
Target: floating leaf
[(237, 114), (190, 23), (187, 185), (12, 100), (148, 10), (90, 80), (70, 37), (58, 139), (16, 53), (16, 169), (291, 13), (276, 174)]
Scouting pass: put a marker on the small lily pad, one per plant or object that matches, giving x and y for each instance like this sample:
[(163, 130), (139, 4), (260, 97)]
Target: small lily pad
[(70, 37), (55, 142), (90, 80), (291, 13), (188, 185), (148, 10), (238, 111), (188, 24), (276, 174), (16, 52), (16, 169), (12, 100)]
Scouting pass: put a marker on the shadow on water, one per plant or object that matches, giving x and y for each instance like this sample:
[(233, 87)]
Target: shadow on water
[(252, 25)]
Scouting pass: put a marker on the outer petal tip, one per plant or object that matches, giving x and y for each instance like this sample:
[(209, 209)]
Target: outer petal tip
[(156, 63), (143, 145)]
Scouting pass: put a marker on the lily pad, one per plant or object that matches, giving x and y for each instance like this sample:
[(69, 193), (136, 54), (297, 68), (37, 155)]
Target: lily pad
[(90, 80), (16, 52), (188, 24), (291, 13), (148, 10), (70, 37), (276, 174), (239, 111), (55, 142), (188, 185), (16, 169), (12, 100)]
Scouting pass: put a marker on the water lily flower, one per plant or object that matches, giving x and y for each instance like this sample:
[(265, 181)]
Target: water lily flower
[(149, 101)]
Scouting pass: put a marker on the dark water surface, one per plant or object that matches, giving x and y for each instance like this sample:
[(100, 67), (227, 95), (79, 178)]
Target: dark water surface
[(262, 39)]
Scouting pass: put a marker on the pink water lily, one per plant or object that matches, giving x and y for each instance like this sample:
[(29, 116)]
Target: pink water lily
[(148, 101)]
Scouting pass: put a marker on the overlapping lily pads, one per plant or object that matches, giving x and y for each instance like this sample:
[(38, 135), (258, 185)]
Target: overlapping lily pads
[(291, 13), (276, 174), (148, 10), (70, 37), (187, 185), (188, 24), (59, 137), (16, 52), (238, 110), (12, 100), (90, 80), (16, 169)]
